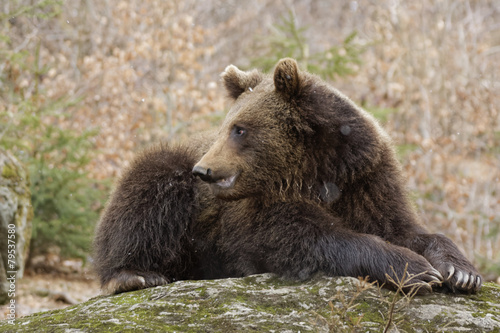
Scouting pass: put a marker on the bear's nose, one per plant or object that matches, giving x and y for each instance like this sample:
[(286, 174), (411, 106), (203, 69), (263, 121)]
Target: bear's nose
[(203, 173)]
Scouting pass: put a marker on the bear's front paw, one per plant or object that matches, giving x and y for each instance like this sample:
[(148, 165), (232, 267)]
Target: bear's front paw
[(459, 274), (460, 278), (412, 273), (420, 281), (129, 280)]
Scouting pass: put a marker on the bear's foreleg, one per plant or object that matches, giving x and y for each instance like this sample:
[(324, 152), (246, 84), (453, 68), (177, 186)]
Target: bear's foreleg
[(298, 240), (142, 239)]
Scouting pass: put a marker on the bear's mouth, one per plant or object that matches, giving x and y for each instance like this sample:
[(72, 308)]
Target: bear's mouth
[(226, 182)]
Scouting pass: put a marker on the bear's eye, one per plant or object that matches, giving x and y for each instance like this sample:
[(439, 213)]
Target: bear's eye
[(239, 131)]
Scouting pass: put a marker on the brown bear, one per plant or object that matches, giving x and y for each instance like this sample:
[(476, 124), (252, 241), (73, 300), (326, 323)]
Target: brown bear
[(297, 180)]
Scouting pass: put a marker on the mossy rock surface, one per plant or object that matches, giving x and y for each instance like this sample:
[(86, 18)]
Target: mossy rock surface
[(265, 303), (16, 215)]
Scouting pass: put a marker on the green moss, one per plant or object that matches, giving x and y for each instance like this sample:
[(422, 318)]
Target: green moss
[(202, 292), (314, 290), (489, 295), (365, 308), (9, 171)]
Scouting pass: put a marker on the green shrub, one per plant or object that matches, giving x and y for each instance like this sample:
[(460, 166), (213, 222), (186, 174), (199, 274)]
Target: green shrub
[(288, 40)]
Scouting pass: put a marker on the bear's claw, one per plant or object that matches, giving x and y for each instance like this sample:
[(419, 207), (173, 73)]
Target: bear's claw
[(463, 281), (438, 275), (127, 281), (451, 271)]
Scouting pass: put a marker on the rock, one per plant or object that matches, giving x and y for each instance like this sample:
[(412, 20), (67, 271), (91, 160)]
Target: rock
[(266, 303), (16, 215)]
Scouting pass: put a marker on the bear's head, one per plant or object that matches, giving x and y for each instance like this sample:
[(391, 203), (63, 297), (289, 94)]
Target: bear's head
[(287, 136)]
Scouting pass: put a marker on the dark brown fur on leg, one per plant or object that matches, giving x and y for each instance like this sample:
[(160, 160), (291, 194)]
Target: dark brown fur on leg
[(142, 238), (319, 244)]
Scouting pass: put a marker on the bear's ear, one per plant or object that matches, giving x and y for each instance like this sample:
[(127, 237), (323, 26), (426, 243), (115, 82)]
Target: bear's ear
[(236, 81), (287, 77)]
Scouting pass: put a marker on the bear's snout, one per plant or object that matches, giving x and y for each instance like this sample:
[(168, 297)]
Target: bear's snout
[(219, 180), (204, 173)]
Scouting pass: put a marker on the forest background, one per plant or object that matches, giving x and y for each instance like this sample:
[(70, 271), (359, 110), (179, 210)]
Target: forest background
[(86, 84)]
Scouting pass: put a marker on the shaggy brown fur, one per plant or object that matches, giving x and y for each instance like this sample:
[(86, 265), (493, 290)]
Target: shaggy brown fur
[(297, 180)]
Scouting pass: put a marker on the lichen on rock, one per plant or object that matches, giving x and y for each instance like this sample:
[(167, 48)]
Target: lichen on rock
[(266, 303)]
